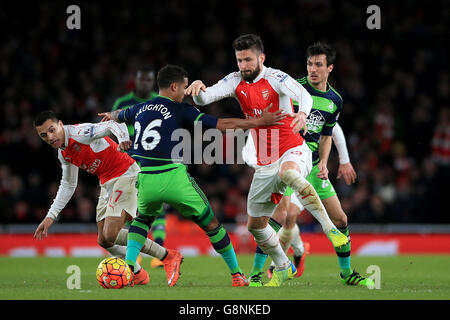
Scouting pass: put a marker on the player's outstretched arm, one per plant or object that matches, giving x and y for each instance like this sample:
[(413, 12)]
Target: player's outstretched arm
[(65, 191), (203, 95), (68, 184), (194, 88), (88, 132), (267, 119)]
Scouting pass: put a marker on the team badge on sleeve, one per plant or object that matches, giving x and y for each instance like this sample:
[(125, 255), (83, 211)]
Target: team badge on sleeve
[(89, 131), (281, 76)]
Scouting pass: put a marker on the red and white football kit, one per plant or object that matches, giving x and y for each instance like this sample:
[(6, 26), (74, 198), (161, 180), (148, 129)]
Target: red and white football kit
[(274, 144), (87, 146)]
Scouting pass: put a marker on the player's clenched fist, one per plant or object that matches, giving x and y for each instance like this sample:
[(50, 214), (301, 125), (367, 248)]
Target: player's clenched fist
[(124, 146)]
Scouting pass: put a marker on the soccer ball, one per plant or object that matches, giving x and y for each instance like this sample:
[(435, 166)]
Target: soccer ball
[(113, 273)]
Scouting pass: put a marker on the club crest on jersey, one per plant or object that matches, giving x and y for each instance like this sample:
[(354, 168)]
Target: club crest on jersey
[(315, 121), (265, 94)]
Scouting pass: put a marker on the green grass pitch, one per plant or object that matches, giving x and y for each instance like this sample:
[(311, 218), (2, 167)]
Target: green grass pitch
[(418, 277)]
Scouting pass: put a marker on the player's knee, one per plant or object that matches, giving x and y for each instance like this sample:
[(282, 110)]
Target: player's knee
[(288, 166), (294, 179), (110, 236), (253, 225), (340, 220), (212, 225), (291, 219), (147, 220), (285, 174), (102, 242)]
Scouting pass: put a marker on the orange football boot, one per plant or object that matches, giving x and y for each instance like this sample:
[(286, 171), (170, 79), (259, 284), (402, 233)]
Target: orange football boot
[(172, 263)]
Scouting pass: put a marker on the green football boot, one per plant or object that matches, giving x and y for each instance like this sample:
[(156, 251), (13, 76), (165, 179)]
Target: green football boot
[(256, 280), (355, 279)]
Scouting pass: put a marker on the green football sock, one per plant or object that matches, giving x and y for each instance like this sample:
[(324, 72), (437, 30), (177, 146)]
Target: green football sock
[(159, 229), (137, 234), (258, 261), (260, 257), (221, 242), (343, 254)]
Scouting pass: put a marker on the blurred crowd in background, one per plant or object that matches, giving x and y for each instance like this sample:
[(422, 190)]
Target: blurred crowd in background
[(394, 82)]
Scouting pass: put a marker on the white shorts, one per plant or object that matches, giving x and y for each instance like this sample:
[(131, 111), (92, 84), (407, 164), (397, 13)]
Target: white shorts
[(118, 194), (266, 181)]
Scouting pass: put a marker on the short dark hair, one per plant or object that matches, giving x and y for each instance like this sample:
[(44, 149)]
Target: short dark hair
[(145, 68), (248, 41), (321, 48), (170, 74), (43, 116)]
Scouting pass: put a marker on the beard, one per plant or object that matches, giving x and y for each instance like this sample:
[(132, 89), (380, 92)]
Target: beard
[(251, 76)]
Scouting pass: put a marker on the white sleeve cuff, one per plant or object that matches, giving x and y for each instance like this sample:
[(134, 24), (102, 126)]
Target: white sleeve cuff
[(341, 145)]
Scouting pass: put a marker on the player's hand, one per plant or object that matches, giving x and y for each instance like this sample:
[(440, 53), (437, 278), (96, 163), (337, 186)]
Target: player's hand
[(271, 118), (347, 172), (323, 171), (194, 88), (124, 146), (106, 116), (42, 230), (299, 122)]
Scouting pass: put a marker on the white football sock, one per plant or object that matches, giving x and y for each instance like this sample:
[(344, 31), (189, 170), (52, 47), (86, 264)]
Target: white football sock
[(267, 240), (285, 236), (308, 197), (150, 247), (297, 243)]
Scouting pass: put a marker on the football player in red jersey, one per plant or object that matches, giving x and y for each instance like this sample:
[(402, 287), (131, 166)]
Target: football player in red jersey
[(283, 159), (87, 146)]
